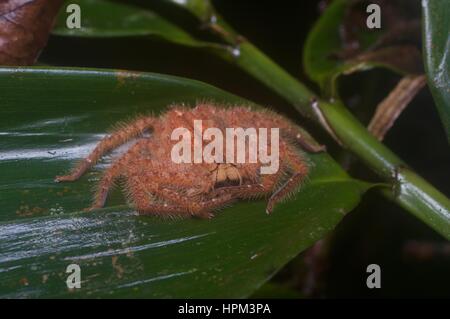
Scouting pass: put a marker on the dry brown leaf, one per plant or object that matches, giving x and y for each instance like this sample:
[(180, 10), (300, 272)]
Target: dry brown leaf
[(405, 58), (394, 104), (24, 29)]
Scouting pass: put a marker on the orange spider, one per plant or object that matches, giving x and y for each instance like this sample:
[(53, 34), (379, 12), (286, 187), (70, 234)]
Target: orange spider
[(157, 185)]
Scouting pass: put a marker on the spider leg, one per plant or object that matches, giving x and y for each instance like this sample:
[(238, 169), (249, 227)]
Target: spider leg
[(141, 194), (306, 142), (301, 170), (117, 138), (143, 200), (178, 204), (294, 132), (199, 206), (303, 139), (107, 181), (122, 165), (180, 199), (252, 191)]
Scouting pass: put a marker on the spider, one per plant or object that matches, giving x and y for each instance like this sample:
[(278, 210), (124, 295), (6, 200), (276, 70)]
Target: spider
[(156, 185)]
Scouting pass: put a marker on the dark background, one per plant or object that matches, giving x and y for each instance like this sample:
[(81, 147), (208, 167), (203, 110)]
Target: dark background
[(413, 258)]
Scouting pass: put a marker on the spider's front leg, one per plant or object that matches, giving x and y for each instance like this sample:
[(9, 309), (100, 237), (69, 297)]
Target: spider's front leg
[(253, 191), (198, 206), (174, 204), (125, 133)]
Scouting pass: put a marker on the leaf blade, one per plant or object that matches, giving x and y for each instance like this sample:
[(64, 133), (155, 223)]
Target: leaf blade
[(436, 42), (326, 43), (121, 254), (106, 19)]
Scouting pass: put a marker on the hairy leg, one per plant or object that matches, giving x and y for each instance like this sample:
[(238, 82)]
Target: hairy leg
[(143, 199), (129, 162), (256, 190), (123, 134), (200, 206), (301, 171), (175, 203), (292, 131), (107, 181)]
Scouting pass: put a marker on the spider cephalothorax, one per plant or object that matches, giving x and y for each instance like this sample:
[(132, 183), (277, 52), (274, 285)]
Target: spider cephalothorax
[(157, 184)]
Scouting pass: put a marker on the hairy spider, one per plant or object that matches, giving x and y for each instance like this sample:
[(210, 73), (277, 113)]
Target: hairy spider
[(156, 184)]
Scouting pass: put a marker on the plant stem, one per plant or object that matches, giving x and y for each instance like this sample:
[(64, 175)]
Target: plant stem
[(410, 191)]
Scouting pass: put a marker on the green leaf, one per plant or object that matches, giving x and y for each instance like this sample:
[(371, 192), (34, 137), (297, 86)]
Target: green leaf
[(436, 40), (316, 62), (200, 8), (106, 19), (52, 117), (320, 54), (110, 19)]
